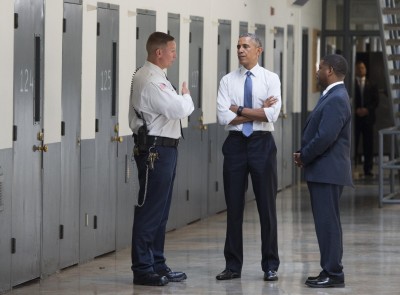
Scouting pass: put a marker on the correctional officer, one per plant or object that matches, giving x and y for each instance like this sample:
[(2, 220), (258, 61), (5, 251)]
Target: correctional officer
[(249, 101), (155, 112)]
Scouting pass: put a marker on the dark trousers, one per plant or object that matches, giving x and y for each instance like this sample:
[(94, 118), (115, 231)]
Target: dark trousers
[(255, 155), (150, 220), (325, 208), (365, 128)]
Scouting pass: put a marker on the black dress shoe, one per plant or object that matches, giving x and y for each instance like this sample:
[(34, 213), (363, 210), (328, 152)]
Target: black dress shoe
[(150, 279), (227, 274), (270, 275), (321, 274), (325, 282), (173, 276)]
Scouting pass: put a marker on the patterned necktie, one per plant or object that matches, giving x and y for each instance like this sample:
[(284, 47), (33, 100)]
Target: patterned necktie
[(247, 129)]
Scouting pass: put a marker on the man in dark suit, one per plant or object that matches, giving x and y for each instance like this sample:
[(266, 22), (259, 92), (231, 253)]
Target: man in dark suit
[(325, 157), (366, 99)]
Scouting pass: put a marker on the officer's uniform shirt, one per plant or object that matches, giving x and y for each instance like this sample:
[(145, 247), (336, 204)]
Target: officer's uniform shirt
[(154, 98), (231, 92)]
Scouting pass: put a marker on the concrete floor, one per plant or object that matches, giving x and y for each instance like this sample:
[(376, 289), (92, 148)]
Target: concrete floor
[(371, 253)]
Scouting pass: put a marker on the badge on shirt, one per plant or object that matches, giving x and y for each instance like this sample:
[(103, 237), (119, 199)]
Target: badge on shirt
[(163, 86)]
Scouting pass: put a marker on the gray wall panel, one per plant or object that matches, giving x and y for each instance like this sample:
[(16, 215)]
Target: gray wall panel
[(197, 135), (181, 184), (217, 133), (70, 140), (145, 25), (287, 153), (127, 193), (296, 123), (278, 125), (173, 76), (51, 208), (6, 172), (260, 32), (87, 201)]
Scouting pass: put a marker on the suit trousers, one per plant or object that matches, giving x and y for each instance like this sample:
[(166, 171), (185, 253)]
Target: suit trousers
[(150, 220), (365, 127), (254, 155), (325, 208)]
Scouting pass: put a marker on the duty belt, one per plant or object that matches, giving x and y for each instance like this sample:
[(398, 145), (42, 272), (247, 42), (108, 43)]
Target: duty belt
[(163, 141)]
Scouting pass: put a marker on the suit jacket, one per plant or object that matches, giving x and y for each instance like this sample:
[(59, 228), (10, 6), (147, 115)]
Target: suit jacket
[(326, 141), (371, 99)]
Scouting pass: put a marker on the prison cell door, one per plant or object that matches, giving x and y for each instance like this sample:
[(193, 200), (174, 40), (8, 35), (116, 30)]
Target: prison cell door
[(107, 138), (196, 134), (28, 145), (70, 133)]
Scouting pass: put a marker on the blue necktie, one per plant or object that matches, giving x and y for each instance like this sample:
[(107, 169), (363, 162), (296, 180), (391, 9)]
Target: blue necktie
[(247, 129)]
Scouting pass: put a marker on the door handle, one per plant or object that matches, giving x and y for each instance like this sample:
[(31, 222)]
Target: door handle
[(40, 148), (117, 138)]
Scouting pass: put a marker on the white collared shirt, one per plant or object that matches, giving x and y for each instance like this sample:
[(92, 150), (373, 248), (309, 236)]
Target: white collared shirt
[(154, 98), (331, 86), (231, 92)]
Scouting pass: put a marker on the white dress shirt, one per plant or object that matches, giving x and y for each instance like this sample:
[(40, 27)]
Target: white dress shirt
[(231, 92), (154, 98), (330, 87)]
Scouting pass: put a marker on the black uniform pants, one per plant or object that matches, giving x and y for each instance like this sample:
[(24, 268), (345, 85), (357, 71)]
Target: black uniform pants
[(365, 128), (150, 220)]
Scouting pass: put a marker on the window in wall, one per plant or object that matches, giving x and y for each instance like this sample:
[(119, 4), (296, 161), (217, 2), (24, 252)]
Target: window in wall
[(334, 14), (334, 44), (363, 15)]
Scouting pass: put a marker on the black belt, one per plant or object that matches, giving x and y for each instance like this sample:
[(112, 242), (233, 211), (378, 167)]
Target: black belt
[(259, 132), (163, 141)]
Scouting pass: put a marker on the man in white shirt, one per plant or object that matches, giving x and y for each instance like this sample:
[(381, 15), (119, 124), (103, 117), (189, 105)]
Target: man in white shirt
[(155, 112), (249, 101)]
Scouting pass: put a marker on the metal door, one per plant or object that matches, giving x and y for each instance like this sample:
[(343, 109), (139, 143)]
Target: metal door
[(260, 32), (28, 141), (70, 134), (145, 25), (287, 117), (6, 156), (243, 28), (278, 125), (173, 76), (106, 141), (216, 199), (196, 136)]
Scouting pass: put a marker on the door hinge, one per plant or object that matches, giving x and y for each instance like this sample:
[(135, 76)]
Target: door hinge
[(62, 128), (64, 25), (15, 20), (13, 245), (15, 129), (61, 232), (95, 222)]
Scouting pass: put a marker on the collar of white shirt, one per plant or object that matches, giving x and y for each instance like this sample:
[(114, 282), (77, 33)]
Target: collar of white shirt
[(254, 71), (330, 87)]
